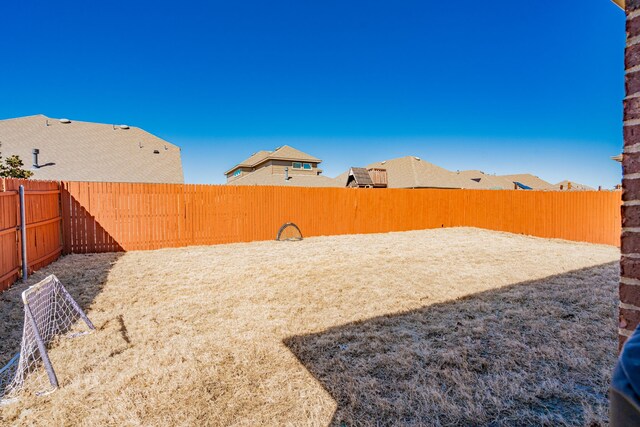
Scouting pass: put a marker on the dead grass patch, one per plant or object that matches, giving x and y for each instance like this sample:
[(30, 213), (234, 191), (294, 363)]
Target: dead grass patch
[(447, 326)]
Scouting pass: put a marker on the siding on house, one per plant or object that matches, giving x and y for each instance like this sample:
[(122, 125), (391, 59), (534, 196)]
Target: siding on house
[(272, 167)]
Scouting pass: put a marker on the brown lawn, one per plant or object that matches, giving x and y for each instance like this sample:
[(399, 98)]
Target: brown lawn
[(436, 327)]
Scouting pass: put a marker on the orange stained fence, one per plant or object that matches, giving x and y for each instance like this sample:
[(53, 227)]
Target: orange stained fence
[(44, 232), (103, 217)]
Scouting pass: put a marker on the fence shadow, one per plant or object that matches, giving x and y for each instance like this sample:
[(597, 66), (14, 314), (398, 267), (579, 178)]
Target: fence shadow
[(534, 353), (82, 232), (83, 276)]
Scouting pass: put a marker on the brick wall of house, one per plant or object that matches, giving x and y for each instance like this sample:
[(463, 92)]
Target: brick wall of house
[(630, 239)]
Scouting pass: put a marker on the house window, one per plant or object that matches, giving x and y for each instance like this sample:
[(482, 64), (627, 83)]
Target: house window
[(307, 166), (237, 172), (297, 165)]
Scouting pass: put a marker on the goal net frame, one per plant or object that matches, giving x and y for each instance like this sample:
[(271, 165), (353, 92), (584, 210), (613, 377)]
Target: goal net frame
[(289, 239), (49, 311)]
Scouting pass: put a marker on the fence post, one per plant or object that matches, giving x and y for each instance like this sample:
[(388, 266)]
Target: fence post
[(23, 231)]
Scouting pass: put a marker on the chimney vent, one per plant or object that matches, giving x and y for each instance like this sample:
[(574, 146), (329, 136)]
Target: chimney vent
[(35, 153)]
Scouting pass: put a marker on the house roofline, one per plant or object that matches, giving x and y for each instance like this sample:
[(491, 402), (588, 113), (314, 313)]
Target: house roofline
[(245, 165)]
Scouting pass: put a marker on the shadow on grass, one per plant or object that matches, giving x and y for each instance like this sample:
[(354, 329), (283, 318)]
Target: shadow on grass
[(533, 353), (83, 276)]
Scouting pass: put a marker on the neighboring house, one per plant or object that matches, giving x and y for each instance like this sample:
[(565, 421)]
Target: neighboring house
[(283, 166), (489, 182), (413, 172), (571, 186), (69, 150), (526, 181)]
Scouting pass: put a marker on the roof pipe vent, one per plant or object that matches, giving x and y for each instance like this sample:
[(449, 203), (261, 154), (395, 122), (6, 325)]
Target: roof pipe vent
[(65, 121), (35, 153)]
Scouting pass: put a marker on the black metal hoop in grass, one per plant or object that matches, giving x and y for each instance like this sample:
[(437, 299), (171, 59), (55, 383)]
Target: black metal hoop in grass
[(289, 228)]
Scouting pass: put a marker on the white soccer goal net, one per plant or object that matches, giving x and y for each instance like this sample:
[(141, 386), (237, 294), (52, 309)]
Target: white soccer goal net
[(49, 311)]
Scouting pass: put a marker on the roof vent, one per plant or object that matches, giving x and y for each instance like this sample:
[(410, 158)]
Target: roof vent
[(124, 127), (383, 162), (65, 121), (156, 151), (417, 158)]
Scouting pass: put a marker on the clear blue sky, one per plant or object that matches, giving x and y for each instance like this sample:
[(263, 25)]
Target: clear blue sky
[(500, 86)]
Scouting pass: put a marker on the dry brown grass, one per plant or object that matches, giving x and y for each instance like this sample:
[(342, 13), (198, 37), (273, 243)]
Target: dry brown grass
[(447, 326)]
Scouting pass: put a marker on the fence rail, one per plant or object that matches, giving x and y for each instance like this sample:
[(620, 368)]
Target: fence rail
[(83, 217)]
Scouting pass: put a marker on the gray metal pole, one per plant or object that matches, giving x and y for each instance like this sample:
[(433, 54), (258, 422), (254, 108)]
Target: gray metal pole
[(23, 230)]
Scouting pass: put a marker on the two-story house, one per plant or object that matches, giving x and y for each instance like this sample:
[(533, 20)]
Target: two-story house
[(283, 166)]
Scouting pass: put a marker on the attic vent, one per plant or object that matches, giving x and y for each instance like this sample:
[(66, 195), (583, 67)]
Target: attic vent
[(65, 121), (124, 127), (156, 152), (417, 158)]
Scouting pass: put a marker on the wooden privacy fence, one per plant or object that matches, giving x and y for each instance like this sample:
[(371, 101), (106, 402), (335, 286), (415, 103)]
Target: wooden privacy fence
[(82, 217), (44, 237), (103, 217)]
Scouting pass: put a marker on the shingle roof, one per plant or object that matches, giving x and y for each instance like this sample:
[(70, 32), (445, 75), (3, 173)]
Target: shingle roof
[(412, 172), (281, 153), (489, 182), (84, 151), (530, 181), (263, 176)]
